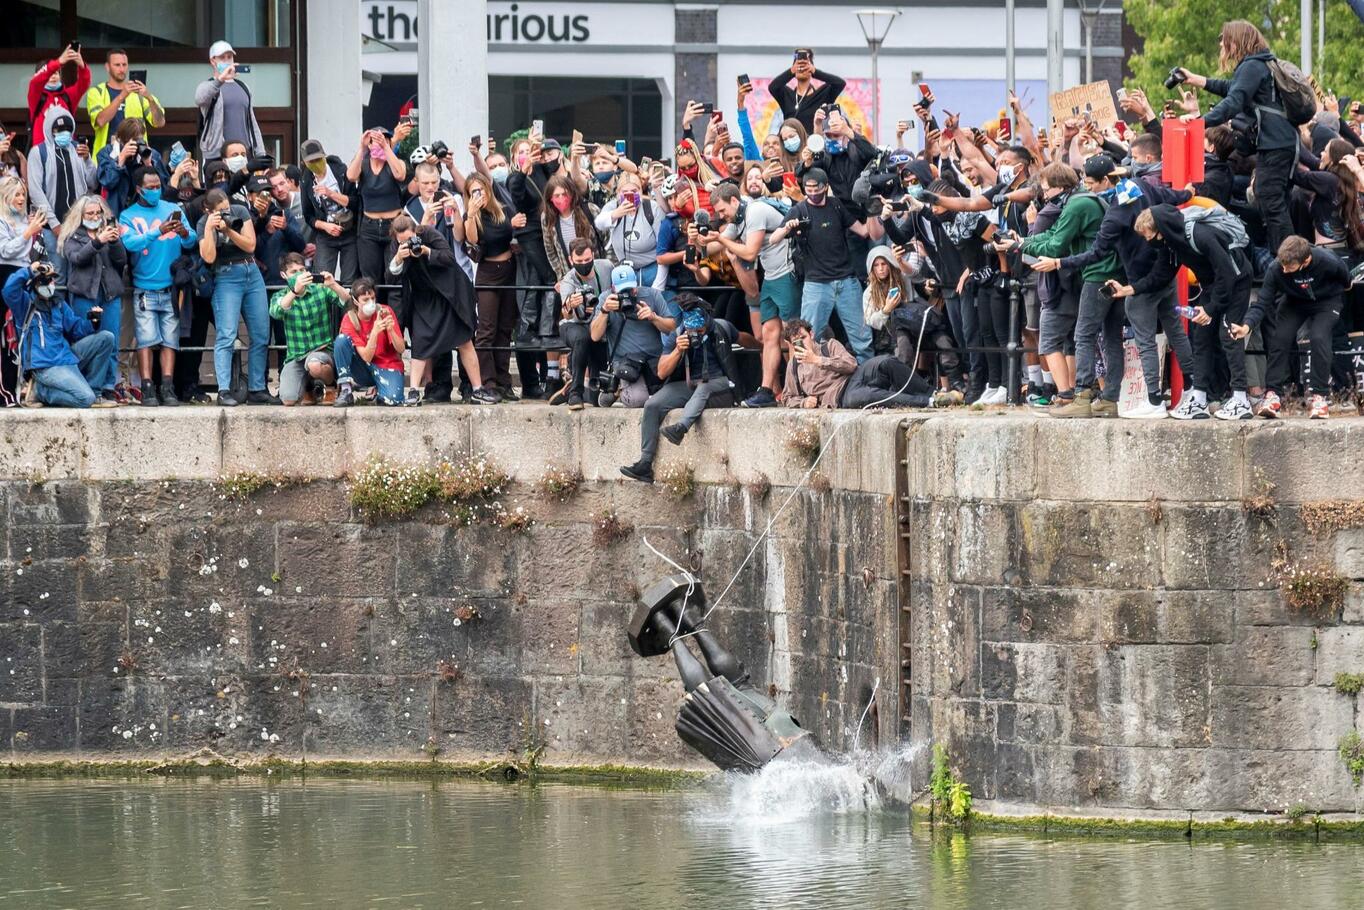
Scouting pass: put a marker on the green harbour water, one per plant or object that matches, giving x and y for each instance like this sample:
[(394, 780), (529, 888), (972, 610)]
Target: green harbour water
[(778, 842)]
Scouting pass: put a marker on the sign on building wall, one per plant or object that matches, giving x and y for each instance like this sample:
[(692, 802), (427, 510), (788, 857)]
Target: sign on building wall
[(394, 22)]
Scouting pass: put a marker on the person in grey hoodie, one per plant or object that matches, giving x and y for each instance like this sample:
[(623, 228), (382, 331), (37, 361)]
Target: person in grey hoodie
[(59, 172), (225, 111)]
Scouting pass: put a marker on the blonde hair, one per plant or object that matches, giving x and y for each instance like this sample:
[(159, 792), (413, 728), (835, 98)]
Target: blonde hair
[(1145, 222), (1240, 39), (76, 214), (9, 188), (490, 203)]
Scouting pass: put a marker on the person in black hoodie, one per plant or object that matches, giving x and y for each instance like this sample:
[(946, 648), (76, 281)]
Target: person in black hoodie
[(1219, 143), (1251, 92), (1313, 281), (1150, 312), (1224, 278), (801, 102), (330, 204)]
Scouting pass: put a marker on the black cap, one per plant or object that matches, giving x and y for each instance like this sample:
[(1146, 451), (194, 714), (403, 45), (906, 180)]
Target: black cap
[(816, 176), (1101, 166), (257, 184), (63, 122), (551, 144)]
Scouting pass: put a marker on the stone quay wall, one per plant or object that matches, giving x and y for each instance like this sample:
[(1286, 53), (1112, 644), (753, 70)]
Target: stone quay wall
[(1086, 615)]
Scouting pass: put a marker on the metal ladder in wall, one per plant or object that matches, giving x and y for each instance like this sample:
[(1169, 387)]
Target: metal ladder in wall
[(904, 506)]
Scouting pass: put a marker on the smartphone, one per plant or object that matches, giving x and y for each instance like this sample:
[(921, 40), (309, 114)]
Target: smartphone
[(1121, 128), (174, 216), (475, 139), (243, 67), (708, 107), (75, 46), (620, 146), (1030, 261), (537, 131), (1169, 108), (924, 92), (1006, 129), (577, 137), (803, 55), (633, 198), (689, 257), (138, 76), (743, 78), (1122, 95), (414, 115)]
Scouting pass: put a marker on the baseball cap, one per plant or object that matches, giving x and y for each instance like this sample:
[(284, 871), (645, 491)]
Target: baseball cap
[(551, 144), (219, 48), (623, 278), (257, 184), (816, 176), (63, 122), (312, 150), (1101, 166)]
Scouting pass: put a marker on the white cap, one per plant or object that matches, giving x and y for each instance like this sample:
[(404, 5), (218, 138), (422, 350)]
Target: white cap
[(219, 48)]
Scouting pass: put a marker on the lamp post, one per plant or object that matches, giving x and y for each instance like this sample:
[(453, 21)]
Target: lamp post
[(875, 26)]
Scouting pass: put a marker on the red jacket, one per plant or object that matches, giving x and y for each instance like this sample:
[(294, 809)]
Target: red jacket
[(40, 99)]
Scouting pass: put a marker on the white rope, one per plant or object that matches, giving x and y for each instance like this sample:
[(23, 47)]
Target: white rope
[(691, 586), (857, 737)]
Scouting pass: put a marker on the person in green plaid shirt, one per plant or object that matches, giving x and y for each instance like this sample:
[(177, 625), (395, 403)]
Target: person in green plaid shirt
[(305, 308)]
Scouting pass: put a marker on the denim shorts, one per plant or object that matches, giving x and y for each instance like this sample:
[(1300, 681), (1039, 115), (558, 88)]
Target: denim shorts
[(155, 321)]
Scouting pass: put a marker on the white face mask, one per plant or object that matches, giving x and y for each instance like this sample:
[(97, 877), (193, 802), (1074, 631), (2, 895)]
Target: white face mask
[(45, 291), (92, 224), (1007, 173), (236, 164), (368, 308)]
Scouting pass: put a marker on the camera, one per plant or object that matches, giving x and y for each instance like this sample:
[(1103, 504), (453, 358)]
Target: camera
[(608, 381), (629, 302), (802, 227), (693, 339), (702, 222), (234, 222), (41, 272), (1175, 78), (583, 311), (439, 149), (318, 277), (415, 245)]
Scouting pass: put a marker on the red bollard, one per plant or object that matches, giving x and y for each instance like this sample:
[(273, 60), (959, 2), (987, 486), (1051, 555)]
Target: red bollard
[(1182, 164)]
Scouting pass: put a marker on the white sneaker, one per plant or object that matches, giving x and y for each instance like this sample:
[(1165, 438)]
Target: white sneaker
[(1188, 410), (1234, 410), (993, 395), (1146, 411)]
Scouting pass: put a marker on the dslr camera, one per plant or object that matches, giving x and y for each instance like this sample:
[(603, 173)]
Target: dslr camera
[(415, 245), (629, 302), (439, 149), (693, 339), (583, 311), (234, 222), (608, 381), (1175, 78)]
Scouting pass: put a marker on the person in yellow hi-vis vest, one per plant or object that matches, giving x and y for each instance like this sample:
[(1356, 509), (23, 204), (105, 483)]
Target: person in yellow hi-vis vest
[(120, 98)]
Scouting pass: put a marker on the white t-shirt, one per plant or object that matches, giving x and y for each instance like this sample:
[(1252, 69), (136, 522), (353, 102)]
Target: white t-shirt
[(759, 216)]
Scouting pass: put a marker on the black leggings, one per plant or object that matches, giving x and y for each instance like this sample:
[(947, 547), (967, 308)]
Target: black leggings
[(991, 336), (1322, 317)]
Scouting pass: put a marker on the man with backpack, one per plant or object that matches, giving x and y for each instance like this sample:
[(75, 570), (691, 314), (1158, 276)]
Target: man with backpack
[(1074, 233), (1278, 99), (225, 111), (1212, 243)]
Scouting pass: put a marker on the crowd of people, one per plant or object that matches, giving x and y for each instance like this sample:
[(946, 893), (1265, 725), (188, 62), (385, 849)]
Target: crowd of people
[(806, 268)]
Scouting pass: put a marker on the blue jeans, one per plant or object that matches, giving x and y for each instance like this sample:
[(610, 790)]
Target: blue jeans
[(820, 298), (239, 293), (111, 321), (70, 386), (352, 368)]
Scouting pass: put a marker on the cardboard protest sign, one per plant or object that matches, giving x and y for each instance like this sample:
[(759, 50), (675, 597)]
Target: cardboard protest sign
[(1095, 99)]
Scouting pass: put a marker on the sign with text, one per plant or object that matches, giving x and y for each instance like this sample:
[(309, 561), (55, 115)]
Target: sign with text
[(394, 22), (1095, 99)]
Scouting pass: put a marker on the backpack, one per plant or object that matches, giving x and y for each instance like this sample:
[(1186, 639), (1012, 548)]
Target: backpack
[(1294, 91), (1224, 222)]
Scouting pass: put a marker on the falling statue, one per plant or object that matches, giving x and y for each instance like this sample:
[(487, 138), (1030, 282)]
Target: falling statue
[(723, 716)]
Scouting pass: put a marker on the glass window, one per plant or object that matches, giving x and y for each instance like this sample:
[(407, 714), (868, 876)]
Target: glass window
[(30, 25)]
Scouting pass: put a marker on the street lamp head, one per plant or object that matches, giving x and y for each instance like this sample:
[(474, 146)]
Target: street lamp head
[(876, 24)]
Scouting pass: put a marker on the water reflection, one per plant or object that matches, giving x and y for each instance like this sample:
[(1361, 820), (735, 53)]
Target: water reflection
[(730, 844)]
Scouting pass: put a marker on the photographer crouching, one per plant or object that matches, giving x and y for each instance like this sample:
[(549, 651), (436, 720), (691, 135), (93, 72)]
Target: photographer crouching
[(581, 289), (697, 369), (69, 356), (633, 321)]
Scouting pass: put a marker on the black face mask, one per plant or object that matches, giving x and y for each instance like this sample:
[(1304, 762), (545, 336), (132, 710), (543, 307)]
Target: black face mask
[(774, 184), (583, 268), (551, 166)]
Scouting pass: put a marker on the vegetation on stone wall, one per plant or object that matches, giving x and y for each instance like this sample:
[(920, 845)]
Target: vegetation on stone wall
[(608, 527), (1314, 589), (1332, 515), (243, 484), (803, 440), (559, 483), (384, 490), (1352, 753), (951, 796), (1348, 683), (678, 478)]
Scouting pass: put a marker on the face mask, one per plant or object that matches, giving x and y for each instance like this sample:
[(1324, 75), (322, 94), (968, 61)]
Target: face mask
[(834, 146), (63, 139), (45, 291), (317, 167), (377, 152), (222, 67), (92, 224), (151, 197), (914, 191), (603, 176), (687, 210), (1007, 173), (54, 86), (791, 144), (501, 173), (368, 308), (563, 204), (691, 171), (583, 268), (817, 197), (1143, 168), (236, 164), (1109, 193), (774, 185), (551, 166)]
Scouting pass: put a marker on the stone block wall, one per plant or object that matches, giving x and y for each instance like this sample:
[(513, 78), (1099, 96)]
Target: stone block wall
[(143, 612), (1097, 619)]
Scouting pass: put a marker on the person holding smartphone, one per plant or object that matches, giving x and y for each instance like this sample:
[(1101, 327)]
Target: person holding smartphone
[(225, 110), (122, 97), (121, 158), (89, 239), (801, 101), (47, 89)]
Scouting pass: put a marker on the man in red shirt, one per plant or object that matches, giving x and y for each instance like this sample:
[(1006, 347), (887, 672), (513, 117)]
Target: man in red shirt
[(369, 350), (46, 89)]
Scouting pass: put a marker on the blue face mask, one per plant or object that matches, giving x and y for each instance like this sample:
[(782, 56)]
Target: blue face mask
[(914, 191), (603, 176), (63, 139), (835, 146), (222, 67), (791, 144), (150, 197)]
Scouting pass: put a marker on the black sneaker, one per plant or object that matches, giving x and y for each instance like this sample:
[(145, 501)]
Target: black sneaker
[(533, 392), (640, 470), (149, 398), (344, 398), (168, 396), (227, 399), (507, 394), (674, 433), (763, 398), (575, 401), (261, 397), (484, 396)]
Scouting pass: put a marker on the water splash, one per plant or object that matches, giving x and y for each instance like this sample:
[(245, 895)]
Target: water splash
[(786, 791)]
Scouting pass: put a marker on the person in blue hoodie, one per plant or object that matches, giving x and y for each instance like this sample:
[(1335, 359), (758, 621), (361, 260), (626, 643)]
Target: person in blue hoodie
[(154, 234), (68, 357)]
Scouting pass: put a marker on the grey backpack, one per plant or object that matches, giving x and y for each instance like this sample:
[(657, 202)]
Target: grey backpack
[(1218, 218)]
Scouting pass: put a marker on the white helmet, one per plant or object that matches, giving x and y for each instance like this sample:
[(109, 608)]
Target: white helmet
[(670, 185), (419, 154)]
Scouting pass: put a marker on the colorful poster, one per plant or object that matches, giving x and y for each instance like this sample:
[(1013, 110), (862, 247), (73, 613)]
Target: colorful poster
[(766, 117)]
